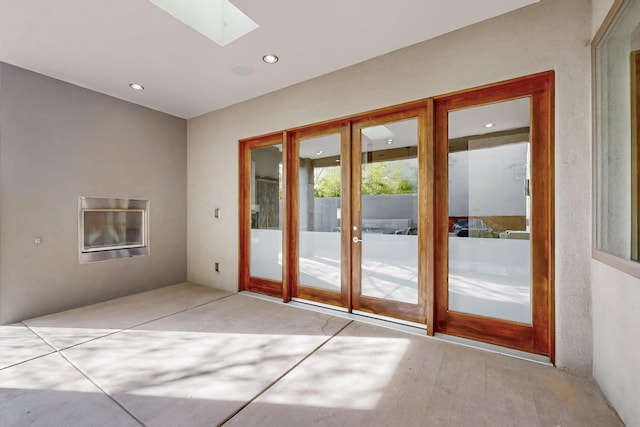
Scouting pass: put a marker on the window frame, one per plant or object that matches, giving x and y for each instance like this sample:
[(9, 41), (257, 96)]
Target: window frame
[(624, 265)]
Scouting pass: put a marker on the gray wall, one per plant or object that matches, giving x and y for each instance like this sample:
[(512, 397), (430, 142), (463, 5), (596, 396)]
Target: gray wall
[(59, 142), (552, 34)]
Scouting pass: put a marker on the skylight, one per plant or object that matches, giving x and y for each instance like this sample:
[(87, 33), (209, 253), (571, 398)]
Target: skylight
[(376, 133), (219, 20)]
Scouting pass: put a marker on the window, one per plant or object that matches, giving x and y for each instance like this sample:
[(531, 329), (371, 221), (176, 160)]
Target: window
[(616, 134)]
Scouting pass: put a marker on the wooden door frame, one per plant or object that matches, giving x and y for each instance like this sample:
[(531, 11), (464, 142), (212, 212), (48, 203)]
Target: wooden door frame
[(422, 313), (540, 336), (433, 152), (294, 289), (245, 280)]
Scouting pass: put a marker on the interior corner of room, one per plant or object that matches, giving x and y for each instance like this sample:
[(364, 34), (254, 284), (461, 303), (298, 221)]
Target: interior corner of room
[(363, 189)]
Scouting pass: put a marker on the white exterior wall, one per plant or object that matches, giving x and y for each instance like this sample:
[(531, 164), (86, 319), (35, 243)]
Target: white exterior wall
[(550, 35), (616, 339)]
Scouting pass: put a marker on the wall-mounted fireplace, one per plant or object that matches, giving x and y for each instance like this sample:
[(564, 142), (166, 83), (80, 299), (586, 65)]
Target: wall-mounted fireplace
[(111, 228)]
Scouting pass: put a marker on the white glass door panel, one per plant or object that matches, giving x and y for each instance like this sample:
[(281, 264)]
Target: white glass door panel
[(490, 211), (319, 207), (385, 227), (389, 211)]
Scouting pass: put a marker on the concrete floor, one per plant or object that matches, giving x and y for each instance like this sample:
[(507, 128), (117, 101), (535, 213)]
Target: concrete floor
[(193, 356)]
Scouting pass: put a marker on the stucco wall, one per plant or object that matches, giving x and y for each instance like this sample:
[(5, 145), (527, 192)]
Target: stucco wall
[(59, 142), (549, 35), (616, 339)]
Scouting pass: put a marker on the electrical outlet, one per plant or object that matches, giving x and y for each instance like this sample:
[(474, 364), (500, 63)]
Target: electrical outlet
[(217, 267)]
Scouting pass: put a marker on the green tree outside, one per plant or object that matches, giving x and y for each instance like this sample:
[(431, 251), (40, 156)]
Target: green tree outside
[(377, 178)]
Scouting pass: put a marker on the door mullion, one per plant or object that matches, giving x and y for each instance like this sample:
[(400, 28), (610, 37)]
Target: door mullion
[(345, 216), (356, 212)]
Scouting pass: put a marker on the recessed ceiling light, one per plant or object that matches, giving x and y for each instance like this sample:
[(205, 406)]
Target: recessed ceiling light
[(389, 141), (136, 86), (489, 125), (319, 152), (270, 59)]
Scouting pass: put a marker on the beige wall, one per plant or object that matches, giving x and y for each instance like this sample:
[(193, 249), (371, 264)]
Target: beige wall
[(616, 339), (550, 35), (59, 142), (616, 317)]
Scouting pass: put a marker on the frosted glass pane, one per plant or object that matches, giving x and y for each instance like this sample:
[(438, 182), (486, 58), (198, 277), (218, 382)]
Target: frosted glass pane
[(490, 211)]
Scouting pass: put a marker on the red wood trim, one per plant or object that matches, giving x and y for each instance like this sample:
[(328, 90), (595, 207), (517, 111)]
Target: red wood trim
[(493, 331), (412, 312), (289, 268), (390, 308), (426, 183), (538, 337), (291, 214), (245, 281), (244, 216), (345, 215), (265, 286)]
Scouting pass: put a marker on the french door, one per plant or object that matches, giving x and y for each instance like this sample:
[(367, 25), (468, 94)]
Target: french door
[(319, 187), (494, 199), (437, 212), (357, 193)]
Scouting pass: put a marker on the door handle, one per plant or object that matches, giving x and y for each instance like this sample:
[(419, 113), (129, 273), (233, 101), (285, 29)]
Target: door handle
[(356, 240)]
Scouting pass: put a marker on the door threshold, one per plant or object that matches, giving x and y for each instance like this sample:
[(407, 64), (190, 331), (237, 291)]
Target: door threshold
[(403, 326), (531, 357), (385, 322), (372, 319), (320, 304)]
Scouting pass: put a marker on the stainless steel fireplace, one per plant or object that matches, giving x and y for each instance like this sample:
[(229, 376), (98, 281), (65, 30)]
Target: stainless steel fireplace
[(111, 228)]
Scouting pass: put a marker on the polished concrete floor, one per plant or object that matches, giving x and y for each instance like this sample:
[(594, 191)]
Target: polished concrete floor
[(186, 355)]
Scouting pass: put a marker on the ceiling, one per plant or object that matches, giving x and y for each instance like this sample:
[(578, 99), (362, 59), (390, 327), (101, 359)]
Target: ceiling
[(105, 45)]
